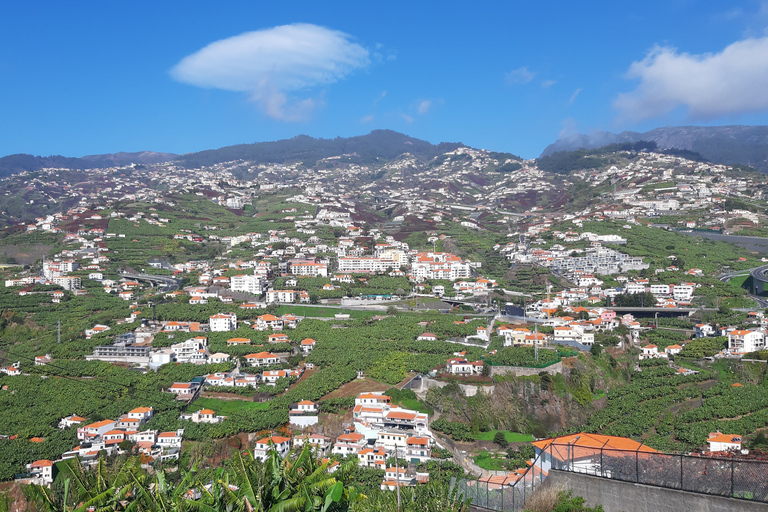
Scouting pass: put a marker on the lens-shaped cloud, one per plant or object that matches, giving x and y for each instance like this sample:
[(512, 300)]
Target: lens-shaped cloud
[(270, 63), (710, 86)]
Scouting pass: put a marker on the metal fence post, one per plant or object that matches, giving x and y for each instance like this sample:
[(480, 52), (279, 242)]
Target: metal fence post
[(601, 460), (732, 461), (681, 471), (637, 467), (487, 484)]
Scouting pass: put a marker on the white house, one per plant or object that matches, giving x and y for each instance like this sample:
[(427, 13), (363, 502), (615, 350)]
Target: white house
[(303, 414), (41, 471), (282, 445), (719, 442), (262, 359)]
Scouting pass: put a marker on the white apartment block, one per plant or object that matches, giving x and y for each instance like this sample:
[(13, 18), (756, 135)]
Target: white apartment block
[(286, 296), (223, 322), (69, 283), (309, 269), (247, 283), (366, 264), (440, 265)]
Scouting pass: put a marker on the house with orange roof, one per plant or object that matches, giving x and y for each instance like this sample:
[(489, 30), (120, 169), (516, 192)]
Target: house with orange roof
[(238, 342), (203, 416), (170, 442), (95, 429), (672, 350), (222, 322), (307, 345), (348, 444), (650, 352), (70, 421), (719, 442), (262, 359), (581, 452), (303, 413), (418, 449), (278, 338), (268, 321), (42, 471), (427, 336), (372, 458), (396, 477), (280, 444), (741, 340), (185, 390)]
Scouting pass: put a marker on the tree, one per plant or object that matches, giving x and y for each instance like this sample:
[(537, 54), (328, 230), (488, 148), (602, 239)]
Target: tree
[(392, 310), (500, 439)]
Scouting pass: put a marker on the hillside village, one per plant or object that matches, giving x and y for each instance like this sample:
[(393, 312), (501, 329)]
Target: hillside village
[(285, 303)]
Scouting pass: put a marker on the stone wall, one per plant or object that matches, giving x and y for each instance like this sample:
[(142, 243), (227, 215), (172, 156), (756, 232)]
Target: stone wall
[(525, 370)]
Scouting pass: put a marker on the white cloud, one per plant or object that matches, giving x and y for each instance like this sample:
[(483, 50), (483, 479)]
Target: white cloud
[(270, 63), (519, 76), (575, 95), (408, 119), (548, 83), (424, 107), (367, 119), (710, 86)]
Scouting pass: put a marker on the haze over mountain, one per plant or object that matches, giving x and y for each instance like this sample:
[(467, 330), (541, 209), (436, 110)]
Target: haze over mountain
[(747, 145), (13, 164), (379, 144)]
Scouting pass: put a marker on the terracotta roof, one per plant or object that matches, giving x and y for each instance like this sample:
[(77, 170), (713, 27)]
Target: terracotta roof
[(583, 444)]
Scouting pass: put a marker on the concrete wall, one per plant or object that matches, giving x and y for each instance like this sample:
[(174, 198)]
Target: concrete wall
[(616, 496), (525, 371), (468, 389)]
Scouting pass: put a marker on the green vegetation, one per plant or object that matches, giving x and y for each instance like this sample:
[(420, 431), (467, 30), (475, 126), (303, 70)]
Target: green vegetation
[(511, 437), (225, 407)]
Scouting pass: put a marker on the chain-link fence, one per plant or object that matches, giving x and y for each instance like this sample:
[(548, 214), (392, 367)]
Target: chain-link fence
[(719, 476), (505, 493)]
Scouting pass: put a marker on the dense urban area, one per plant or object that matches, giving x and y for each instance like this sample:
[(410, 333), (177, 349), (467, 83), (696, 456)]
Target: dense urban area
[(443, 315)]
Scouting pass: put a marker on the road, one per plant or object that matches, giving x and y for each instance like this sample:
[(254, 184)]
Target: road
[(759, 273), (170, 283)]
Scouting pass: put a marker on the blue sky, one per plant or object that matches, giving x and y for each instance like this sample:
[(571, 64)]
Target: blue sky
[(83, 77)]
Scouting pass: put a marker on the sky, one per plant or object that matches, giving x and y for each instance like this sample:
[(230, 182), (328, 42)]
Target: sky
[(80, 77)]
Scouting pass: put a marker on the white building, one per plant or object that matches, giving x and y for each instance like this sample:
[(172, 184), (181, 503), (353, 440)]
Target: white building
[(282, 445), (252, 284), (746, 341), (223, 322)]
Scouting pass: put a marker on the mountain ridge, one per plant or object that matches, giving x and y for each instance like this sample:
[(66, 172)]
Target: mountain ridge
[(731, 144)]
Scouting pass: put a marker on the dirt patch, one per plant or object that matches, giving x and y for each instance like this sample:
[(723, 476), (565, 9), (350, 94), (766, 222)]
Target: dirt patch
[(18, 502), (356, 387)]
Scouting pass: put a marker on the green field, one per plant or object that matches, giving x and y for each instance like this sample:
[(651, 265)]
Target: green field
[(487, 461), (323, 312), (416, 405), (512, 437), (226, 407)]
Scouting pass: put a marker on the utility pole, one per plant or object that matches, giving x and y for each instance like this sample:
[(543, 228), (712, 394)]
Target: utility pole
[(536, 343), (397, 479), (58, 331)]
